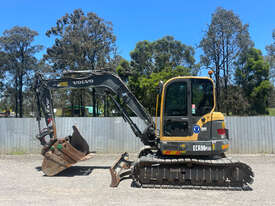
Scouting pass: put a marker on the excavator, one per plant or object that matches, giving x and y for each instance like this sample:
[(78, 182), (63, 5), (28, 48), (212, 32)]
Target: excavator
[(187, 149)]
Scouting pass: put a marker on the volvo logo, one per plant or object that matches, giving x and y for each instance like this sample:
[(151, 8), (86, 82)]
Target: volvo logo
[(80, 82)]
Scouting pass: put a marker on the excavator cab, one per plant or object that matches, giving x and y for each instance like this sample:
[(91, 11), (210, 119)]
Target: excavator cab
[(188, 123)]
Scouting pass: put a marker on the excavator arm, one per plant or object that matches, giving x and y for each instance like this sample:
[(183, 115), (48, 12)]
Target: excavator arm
[(107, 81), (62, 153)]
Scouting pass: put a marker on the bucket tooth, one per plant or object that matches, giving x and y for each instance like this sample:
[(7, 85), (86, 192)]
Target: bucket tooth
[(121, 169)]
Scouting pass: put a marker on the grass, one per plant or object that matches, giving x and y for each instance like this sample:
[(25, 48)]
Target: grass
[(271, 111), (17, 153)]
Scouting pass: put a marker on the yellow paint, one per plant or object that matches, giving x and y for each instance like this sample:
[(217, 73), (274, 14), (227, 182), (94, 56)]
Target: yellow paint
[(217, 116), (223, 125), (213, 147), (225, 146), (174, 139), (63, 84), (183, 145), (173, 152), (156, 119)]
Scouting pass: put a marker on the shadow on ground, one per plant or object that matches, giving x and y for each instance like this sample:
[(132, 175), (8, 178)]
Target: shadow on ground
[(77, 170)]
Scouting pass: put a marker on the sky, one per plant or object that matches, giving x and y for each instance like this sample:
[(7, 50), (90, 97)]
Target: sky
[(140, 20)]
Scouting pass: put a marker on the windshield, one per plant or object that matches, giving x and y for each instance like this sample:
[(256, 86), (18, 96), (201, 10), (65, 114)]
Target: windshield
[(202, 96), (176, 99)]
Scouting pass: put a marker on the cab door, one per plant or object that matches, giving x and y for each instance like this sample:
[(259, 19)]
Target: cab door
[(202, 103), (176, 109)]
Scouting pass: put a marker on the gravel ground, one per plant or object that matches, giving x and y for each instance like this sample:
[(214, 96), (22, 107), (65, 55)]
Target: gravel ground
[(87, 183)]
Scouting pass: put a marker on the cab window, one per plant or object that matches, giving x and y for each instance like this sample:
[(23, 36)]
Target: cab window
[(202, 96), (176, 99)]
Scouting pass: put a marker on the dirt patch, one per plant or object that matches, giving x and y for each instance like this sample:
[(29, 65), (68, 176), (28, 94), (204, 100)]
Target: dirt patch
[(22, 183)]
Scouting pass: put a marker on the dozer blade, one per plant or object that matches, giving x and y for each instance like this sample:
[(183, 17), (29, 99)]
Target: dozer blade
[(121, 169), (64, 153)]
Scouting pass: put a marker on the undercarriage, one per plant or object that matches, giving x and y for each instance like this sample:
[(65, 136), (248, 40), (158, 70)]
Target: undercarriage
[(156, 171)]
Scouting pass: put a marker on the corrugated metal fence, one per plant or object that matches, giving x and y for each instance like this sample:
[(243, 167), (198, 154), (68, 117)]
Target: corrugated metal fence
[(112, 135)]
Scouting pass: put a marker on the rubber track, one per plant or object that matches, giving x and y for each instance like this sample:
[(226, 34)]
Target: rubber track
[(224, 173)]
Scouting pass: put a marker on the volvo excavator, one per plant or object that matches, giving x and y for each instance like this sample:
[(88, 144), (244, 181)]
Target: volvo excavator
[(187, 149)]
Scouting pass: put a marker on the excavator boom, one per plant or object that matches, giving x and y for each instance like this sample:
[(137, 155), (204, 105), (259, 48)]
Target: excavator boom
[(61, 153)]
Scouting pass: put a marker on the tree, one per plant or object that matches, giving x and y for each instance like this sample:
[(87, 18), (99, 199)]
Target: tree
[(124, 70), (82, 42), (253, 78), (144, 87), (168, 52), (147, 85), (223, 42), (152, 62), (141, 58), (237, 103), (155, 56), (271, 61), (2, 71), (271, 57), (18, 61)]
